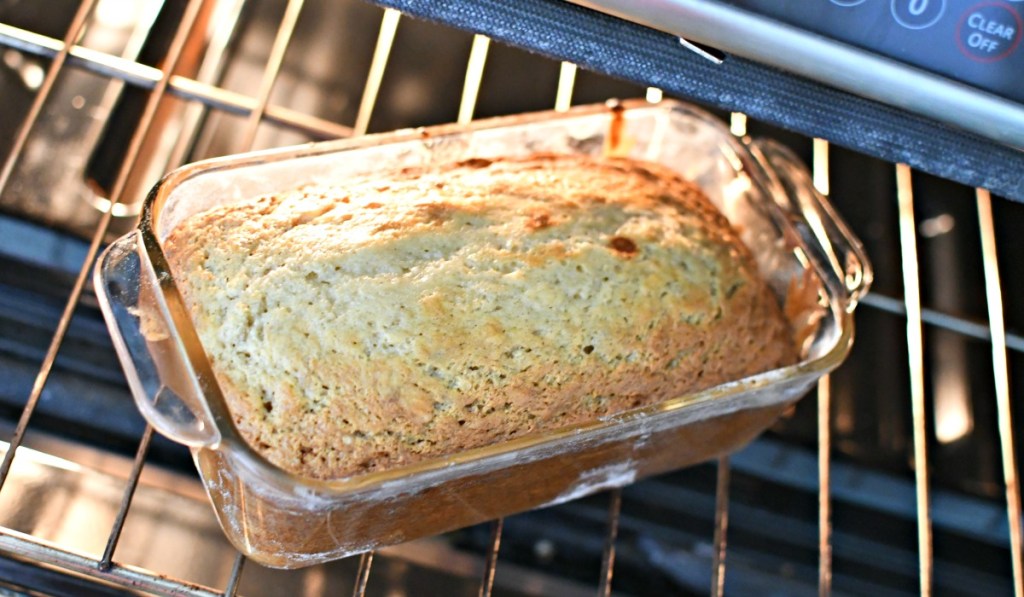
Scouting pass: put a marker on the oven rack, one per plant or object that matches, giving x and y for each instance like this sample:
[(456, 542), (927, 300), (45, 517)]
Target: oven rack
[(161, 82)]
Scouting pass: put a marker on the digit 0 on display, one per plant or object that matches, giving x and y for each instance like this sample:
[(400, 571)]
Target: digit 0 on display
[(918, 14)]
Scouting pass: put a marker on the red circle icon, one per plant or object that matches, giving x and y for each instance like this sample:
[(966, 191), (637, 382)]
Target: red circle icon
[(989, 31)]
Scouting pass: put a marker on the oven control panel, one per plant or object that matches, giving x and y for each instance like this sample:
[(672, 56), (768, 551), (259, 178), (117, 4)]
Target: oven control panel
[(974, 41)]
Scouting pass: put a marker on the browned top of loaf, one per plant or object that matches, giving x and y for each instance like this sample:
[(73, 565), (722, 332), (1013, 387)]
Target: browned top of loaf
[(380, 322)]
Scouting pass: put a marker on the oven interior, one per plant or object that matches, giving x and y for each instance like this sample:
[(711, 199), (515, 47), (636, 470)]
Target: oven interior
[(911, 434)]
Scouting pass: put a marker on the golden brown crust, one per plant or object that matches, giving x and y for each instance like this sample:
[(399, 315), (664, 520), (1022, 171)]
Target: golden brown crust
[(377, 323)]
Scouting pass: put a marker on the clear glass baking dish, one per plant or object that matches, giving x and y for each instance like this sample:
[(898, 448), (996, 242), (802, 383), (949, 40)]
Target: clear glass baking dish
[(812, 261)]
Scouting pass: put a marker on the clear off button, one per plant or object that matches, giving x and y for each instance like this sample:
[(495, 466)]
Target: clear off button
[(989, 31)]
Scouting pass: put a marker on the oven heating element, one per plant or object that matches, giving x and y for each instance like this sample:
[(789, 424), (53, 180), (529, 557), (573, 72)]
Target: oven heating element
[(163, 82)]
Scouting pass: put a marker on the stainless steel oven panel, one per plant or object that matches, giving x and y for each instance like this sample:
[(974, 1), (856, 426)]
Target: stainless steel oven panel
[(831, 62)]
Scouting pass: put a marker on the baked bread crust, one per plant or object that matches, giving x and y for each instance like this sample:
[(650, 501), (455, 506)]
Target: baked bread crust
[(384, 321)]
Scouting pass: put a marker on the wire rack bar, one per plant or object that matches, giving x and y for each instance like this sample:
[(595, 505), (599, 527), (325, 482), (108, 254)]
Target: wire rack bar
[(738, 124), (915, 347), (1001, 370), (721, 527), (959, 325), (608, 557), (738, 127), (824, 487), (566, 82), (363, 574), (820, 175), (24, 547), (491, 563), (194, 112), (147, 77), (126, 499), (56, 65), (281, 41), (474, 77), (236, 575), (385, 40), (819, 166)]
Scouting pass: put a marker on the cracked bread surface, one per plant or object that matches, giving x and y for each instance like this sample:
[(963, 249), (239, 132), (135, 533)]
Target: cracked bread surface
[(386, 320)]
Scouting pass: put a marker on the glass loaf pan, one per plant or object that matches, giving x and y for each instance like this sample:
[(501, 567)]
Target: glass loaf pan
[(809, 256)]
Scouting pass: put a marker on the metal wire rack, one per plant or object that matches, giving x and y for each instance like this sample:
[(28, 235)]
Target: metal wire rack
[(257, 109)]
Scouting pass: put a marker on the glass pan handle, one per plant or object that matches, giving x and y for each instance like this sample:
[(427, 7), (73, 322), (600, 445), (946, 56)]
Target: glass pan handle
[(829, 238), (161, 380)]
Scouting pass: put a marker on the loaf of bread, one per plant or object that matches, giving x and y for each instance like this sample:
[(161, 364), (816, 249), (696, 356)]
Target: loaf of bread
[(386, 320)]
